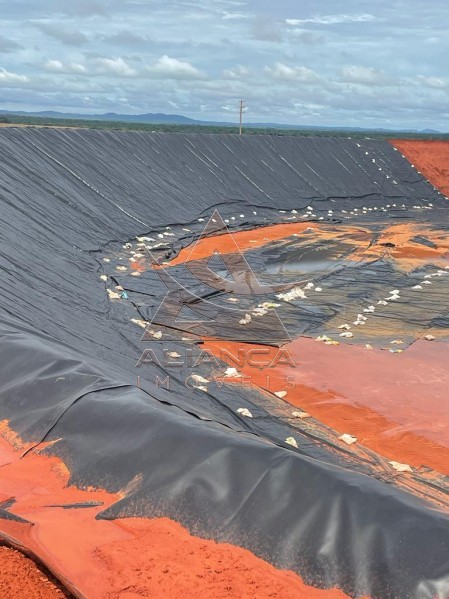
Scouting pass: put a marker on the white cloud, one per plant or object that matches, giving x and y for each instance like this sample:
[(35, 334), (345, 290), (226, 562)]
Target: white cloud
[(332, 19), (115, 66), (8, 77), (233, 16), (238, 72), (56, 66), (68, 37), (363, 75), (434, 82), (172, 68), (283, 72)]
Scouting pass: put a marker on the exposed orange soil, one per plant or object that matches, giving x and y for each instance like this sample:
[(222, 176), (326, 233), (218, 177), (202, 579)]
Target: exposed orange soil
[(406, 253), (395, 404), (126, 558), (368, 246), (20, 578), (431, 158), (229, 243)]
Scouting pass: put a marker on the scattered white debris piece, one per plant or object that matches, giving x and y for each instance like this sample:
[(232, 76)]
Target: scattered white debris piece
[(173, 354), (280, 394), (269, 305), (122, 268), (427, 283), (106, 259), (368, 346), (429, 338), (417, 287), (245, 320), (348, 439), (295, 293), (157, 335), (318, 289), (245, 412), (187, 230), (140, 323), (347, 335), (346, 327), (301, 415), (232, 373), (135, 274), (259, 311), (200, 220), (382, 303), (400, 467), (104, 278), (113, 295), (233, 300), (291, 441), (198, 378), (397, 342)]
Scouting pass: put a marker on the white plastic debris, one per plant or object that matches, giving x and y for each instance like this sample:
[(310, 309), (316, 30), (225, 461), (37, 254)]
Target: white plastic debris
[(346, 327), (291, 441), (173, 354), (244, 412), (232, 373), (417, 287), (135, 274), (301, 415), (104, 278), (382, 303), (157, 335), (233, 300), (280, 394), (295, 293), (245, 320), (309, 286), (400, 467), (318, 289), (346, 335), (348, 439), (259, 311), (269, 305), (429, 338), (198, 378), (113, 295), (140, 323), (121, 268)]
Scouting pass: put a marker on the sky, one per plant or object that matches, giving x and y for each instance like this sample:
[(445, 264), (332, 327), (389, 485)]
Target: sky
[(301, 62)]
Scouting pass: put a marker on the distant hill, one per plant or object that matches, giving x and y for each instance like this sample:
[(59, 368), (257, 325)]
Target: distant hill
[(176, 119)]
